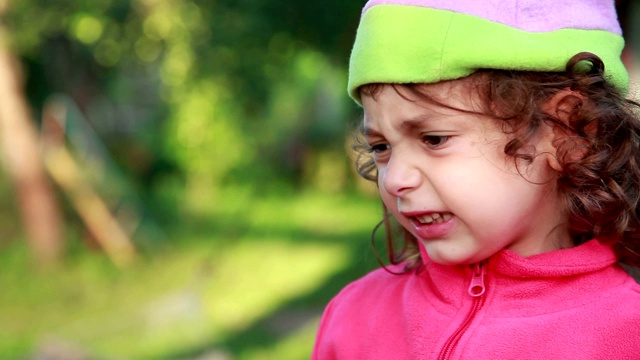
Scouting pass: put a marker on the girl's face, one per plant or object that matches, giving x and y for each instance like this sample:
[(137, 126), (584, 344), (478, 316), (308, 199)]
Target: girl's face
[(444, 175)]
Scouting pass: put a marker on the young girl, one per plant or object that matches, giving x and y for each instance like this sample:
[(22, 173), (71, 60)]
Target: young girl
[(500, 140)]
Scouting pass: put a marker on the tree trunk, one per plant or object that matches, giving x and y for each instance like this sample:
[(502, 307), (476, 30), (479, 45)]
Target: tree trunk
[(22, 159)]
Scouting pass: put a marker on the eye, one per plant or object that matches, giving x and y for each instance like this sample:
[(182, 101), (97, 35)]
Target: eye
[(435, 140), (379, 148)]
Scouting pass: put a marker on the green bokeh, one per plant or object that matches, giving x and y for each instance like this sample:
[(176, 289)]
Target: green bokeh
[(220, 129)]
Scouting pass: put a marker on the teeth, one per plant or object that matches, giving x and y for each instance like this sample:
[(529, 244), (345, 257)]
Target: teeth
[(426, 219), (435, 218)]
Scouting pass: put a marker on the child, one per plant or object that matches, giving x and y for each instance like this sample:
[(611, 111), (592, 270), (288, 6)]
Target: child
[(501, 141)]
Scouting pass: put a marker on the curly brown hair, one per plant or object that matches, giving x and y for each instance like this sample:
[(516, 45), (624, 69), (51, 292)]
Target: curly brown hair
[(600, 188)]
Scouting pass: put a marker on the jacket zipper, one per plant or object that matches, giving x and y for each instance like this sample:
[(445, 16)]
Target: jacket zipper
[(476, 290)]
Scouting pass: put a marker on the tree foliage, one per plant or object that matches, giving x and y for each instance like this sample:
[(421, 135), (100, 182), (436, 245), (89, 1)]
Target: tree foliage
[(209, 92)]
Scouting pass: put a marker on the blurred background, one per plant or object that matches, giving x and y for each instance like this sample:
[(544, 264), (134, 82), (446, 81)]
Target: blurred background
[(175, 180)]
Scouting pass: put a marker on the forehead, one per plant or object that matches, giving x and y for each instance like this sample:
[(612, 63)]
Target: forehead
[(418, 101)]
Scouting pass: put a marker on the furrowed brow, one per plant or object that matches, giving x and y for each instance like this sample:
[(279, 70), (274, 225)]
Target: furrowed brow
[(367, 131), (414, 123), (407, 126)]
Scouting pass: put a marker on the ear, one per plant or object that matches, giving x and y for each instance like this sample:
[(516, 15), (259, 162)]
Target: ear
[(562, 145)]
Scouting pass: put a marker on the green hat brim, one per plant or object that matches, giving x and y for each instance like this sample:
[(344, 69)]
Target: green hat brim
[(408, 44)]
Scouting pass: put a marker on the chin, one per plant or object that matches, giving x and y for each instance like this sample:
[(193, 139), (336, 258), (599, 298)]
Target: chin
[(449, 258), (452, 256)]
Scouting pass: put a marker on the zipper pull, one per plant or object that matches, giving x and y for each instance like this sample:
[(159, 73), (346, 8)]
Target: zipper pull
[(477, 280)]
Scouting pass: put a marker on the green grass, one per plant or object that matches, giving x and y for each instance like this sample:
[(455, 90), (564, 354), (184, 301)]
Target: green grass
[(247, 279)]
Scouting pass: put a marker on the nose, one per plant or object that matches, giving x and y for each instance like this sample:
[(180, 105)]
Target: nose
[(401, 175)]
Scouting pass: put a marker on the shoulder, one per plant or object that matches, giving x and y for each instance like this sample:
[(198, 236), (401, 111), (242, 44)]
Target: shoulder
[(381, 291), (378, 282), (361, 309)]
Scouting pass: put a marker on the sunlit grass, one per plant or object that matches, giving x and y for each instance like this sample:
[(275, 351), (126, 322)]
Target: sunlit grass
[(250, 283), (294, 347), (257, 277)]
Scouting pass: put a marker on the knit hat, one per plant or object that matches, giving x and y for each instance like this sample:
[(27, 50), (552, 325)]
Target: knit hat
[(427, 41)]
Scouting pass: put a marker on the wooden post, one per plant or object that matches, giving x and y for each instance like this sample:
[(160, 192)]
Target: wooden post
[(93, 211), (19, 145)]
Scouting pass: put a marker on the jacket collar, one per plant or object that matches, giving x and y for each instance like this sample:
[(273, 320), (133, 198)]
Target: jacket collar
[(545, 282), (585, 258), (588, 257)]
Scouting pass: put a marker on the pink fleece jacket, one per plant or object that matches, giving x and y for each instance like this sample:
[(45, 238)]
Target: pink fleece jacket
[(568, 304)]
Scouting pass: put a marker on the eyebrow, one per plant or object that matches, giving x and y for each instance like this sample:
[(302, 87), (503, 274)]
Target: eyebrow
[(407, 125), (367, 131), (415, 123)]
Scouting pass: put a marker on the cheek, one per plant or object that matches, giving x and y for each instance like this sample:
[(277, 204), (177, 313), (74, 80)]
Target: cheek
[(388, 200)]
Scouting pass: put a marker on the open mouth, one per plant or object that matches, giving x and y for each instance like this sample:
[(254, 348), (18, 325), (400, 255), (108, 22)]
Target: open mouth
[(433, 218)]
